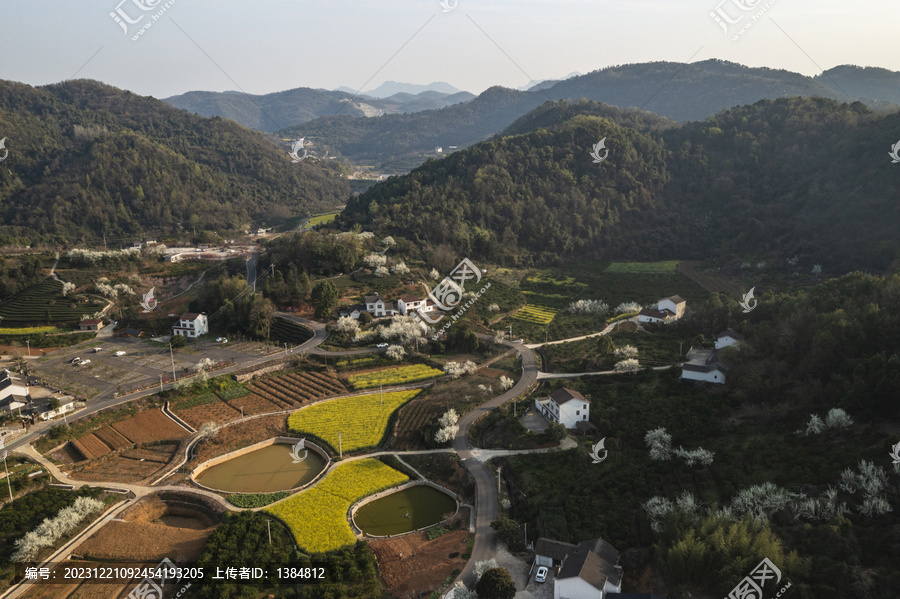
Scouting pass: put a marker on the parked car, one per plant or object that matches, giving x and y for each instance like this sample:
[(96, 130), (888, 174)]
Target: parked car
[(541, 575), (382, 345), (83, 362), (221, 340), (97, 350), (119, 353), (75, 360)]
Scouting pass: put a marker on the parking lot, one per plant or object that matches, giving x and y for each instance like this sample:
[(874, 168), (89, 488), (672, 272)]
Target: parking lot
[(144, 362), (537, 590)]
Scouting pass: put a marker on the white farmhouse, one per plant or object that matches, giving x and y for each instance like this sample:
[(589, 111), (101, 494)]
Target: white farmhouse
[(703, 365), (668, 309), (411, 303), (192, 325), (565, 406), (377, 307), (728, 338), (13, 393), (591, 571)]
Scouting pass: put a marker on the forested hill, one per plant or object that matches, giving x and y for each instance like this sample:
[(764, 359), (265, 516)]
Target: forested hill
[(677, 91), (87, 159), (795, 176)]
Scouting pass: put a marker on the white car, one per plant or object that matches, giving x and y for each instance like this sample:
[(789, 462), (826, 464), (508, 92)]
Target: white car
[(83, 362), (382, 345), (541, 575), (97, 350), (119, 353), (75, 361), (222, 340)]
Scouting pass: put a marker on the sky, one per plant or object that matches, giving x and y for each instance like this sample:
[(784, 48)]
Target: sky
[(274, 45)]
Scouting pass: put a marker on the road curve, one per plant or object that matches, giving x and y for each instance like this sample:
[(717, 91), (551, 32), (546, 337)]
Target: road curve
[(486, 498)]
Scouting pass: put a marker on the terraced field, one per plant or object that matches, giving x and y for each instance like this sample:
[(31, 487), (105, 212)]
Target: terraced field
[(295, 389), (535, 314), (145, 427), (44, 303)]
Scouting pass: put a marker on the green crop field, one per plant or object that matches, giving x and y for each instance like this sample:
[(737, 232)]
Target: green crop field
[(286, 330), (320, 219), (45, 303), (536, 314), (649, 268)]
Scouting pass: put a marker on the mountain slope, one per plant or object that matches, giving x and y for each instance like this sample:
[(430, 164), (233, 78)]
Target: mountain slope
[(87, 159), (795, 176), (681, 92)]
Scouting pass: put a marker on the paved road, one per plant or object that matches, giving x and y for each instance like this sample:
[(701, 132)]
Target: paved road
[(486, 499)]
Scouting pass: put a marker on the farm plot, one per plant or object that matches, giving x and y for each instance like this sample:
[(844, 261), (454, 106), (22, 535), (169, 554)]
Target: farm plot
[(253, 404), (286, 330), (318, 516), (535, 314), (218, 412), (411, 420), (399, 375), (360, 421), (151, 425), (91, 447), (45, 303), (289, 390), (130, 466), (112, 437)]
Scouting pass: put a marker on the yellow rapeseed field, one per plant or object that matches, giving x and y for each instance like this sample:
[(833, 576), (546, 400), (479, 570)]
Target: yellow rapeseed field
[(361, 420), (318, 516), (394, 376)]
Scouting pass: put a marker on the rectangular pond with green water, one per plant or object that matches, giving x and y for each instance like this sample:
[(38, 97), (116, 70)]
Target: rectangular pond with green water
[(404, 511), (264, 470)]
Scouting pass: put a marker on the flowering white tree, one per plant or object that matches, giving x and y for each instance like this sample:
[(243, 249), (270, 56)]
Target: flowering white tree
[(485, 389), (448, 425), (400, 269), (482, 567), (657, 509), (106, 290), (388, 241), (814, 426), (596, 307), (207, 429), (630, 365), (660, 444), (626, 351), (404, 330), (628, 307), (456, 369), (52, 529), (374, 260), (761, 501), (347, 326), (395, 352), (434, 274), (817, 269), (506, 383), (499, 337), (67, 287), (382, 271), (693, 456), (123, 288), (460, 591), (838, 418), (205, 364), (493, 308)]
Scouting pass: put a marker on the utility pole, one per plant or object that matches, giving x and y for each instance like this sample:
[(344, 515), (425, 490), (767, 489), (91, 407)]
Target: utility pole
[(5, 467), (172, 355), (510, 332), (269, 526), (526, 535), (499, 469), (28, 345), (340, 446), (160, 382), (382, 394)]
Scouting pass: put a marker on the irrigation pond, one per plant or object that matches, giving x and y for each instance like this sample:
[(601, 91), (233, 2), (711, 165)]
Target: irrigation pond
[(263, 470), (404, 511)]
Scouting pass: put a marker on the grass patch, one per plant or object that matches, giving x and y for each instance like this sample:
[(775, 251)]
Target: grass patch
[(256, 499), (193, 401), (666, 267)]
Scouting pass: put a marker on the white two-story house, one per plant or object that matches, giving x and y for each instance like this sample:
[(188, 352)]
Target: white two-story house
[(192, 325), (703, 365), (411, 303), (565, 406), (377, 307)]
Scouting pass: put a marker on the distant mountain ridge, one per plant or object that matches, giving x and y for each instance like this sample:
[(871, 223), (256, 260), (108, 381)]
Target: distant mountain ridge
[(389, 88), (677, 91)]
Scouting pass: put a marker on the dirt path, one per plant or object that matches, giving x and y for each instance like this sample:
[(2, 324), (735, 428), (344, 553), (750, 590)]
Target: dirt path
[(609, 328)]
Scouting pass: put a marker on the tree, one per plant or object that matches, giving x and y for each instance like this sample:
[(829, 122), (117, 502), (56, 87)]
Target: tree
[(324, 297), (605, 345), (496, 584), (366, 318), (448, 427), (557, 431), (348, 326), (509, 531), (395, 352), (179, 341), (506, 383), (629, 365), (54, 403)]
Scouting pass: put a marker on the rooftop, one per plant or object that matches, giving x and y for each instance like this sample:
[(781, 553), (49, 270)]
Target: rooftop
[(564, 394)]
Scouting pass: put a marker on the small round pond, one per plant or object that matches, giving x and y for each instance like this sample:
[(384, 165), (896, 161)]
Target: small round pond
[(404, 511), (264, 470)]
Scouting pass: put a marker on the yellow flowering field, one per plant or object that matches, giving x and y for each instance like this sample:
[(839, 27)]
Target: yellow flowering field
[(318, 516), (361, 420), (394, 376), (535, 314)]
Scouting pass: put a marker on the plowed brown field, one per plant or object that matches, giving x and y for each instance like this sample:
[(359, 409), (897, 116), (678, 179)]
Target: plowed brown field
[(424, 565), (151, 425)]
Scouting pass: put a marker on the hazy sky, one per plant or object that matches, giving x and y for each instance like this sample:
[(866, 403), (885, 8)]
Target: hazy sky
[(273, 45)]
